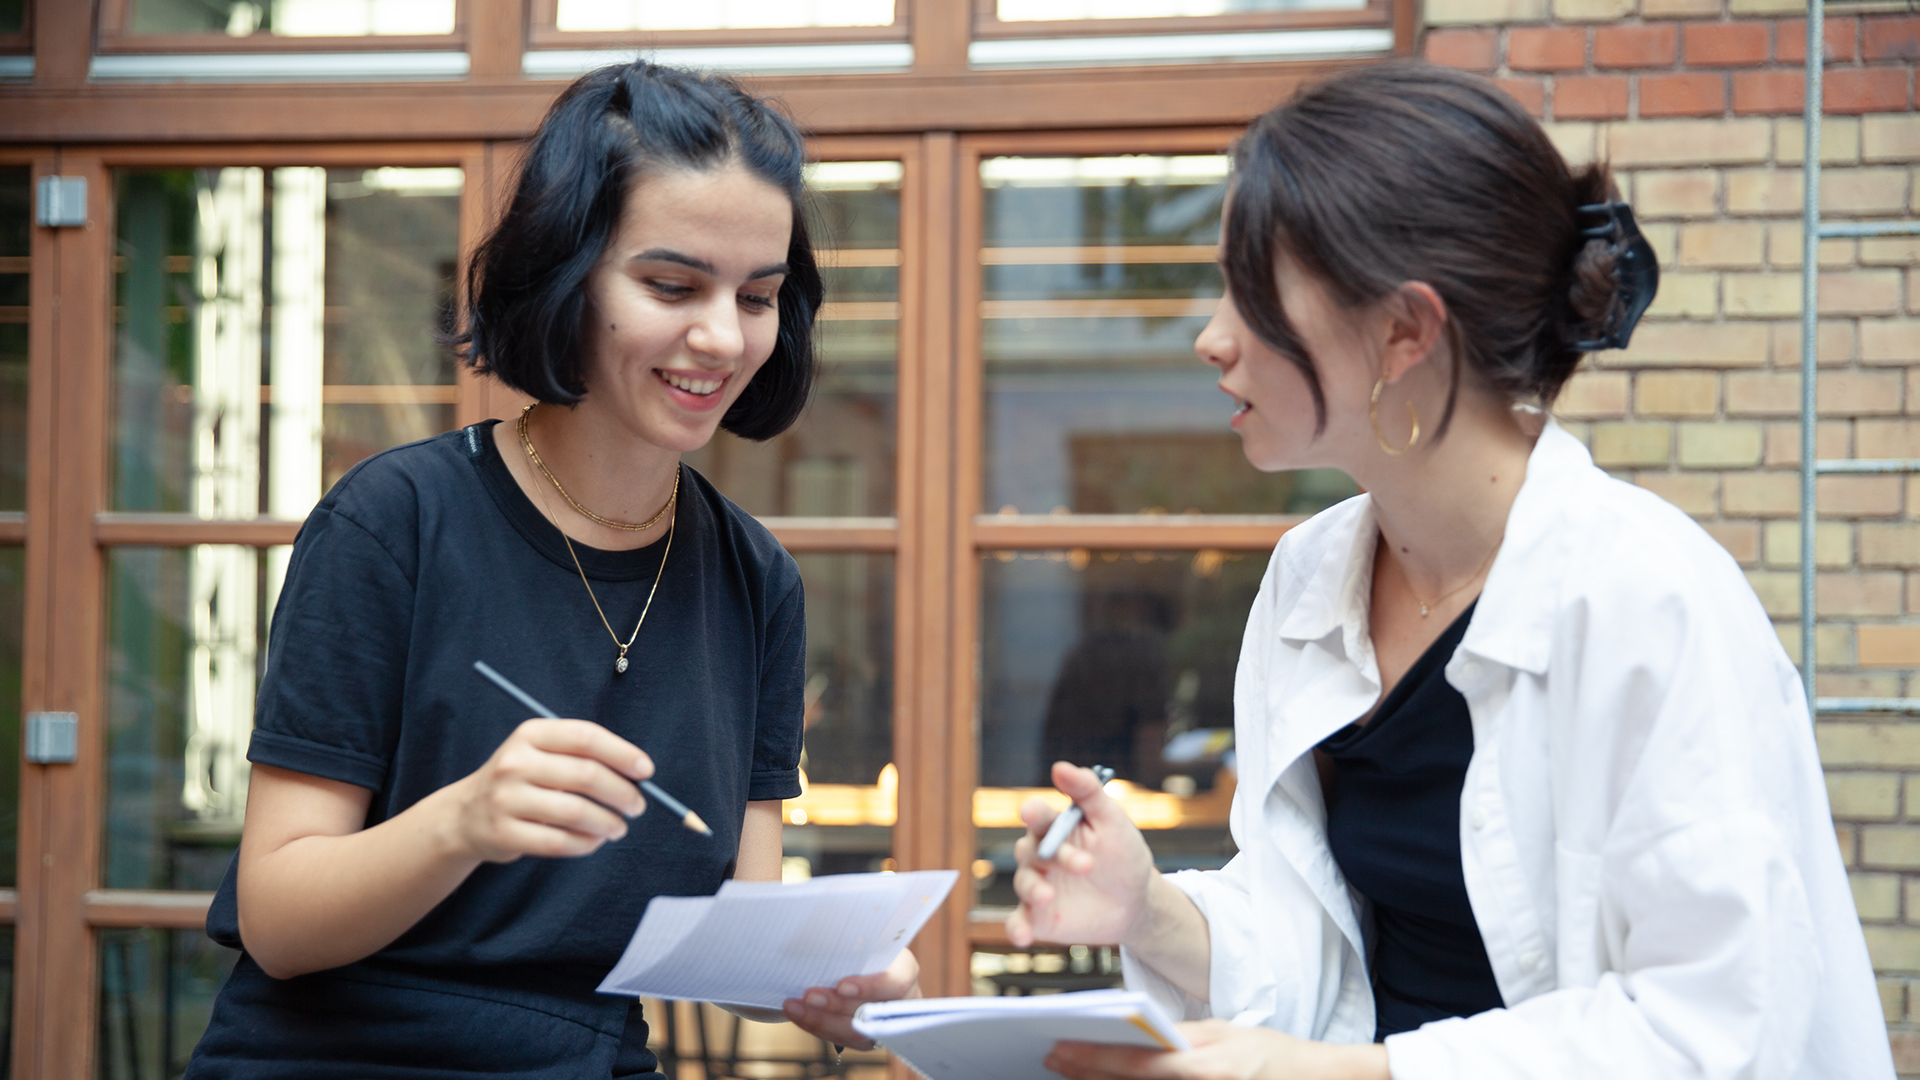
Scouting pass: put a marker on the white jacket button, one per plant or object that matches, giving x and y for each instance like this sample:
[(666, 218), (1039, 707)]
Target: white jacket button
[(1471, 669), (1529, 960), (1477, 818)]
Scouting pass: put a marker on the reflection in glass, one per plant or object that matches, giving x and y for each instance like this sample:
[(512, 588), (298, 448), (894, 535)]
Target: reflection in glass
[(186, 635), (15, 208), (694, 1038), (13, 16), (292, 18), (156, 993), (274, 327), (12, 637), (843, 821), (1031, 10), (1124, 659), (1098, 275), (1017, 972), (719, 14), (838, 461)]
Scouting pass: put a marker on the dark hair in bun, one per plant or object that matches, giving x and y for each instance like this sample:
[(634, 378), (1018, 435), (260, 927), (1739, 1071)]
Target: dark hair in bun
[(1403, 172), (613, 126)]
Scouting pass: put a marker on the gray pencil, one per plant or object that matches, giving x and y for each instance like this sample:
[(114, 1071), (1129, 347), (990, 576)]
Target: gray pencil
[(1064, 825), (687, 817)]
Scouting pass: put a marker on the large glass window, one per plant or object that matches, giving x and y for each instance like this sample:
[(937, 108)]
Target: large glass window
[(292, 18), (273, 328), (1098, 274), (577, 15), (1047, 10), (156, 993), (15, 214)]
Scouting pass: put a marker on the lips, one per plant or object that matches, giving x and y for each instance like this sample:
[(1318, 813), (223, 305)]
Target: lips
[(693, 384)]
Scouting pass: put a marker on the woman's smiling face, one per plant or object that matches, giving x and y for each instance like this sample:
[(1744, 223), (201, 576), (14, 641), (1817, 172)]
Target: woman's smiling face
[(683, 308)]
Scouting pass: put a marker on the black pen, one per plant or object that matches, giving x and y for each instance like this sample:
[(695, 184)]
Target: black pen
[(687, 817)]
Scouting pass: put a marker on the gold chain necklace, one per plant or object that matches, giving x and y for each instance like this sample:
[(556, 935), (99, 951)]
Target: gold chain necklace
[(624, 526), (620, 661), (1425, 607)]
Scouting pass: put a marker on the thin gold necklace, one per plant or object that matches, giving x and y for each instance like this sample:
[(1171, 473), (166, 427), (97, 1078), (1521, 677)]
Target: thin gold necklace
[(1425, 608), (527, 441), (620, 661)]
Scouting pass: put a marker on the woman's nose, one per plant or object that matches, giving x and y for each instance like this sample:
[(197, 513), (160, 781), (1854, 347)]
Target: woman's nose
[(717, 332), (1216, 344)]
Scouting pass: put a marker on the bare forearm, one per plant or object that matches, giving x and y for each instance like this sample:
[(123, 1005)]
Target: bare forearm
[(322, 901), (1171, 937)]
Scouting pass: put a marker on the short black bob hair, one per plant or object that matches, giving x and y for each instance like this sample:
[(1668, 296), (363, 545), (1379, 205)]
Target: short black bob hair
[(615, 125)]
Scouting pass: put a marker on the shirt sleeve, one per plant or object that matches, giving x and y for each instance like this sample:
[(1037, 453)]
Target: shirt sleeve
[(330, 701), (778, 720)]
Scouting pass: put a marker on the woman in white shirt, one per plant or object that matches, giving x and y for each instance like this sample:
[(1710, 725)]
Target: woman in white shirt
[(1632, 872)]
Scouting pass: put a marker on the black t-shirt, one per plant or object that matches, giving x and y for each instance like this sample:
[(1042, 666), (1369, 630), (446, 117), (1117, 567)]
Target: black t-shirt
[(1393, 824), (428, 557)]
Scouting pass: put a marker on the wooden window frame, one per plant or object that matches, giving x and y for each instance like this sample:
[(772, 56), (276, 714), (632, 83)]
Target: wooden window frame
[(988, 27), (117, 38), (20, 41), (544, 33)]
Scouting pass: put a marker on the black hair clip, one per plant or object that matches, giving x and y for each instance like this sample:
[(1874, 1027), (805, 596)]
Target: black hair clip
[(1636, 273)]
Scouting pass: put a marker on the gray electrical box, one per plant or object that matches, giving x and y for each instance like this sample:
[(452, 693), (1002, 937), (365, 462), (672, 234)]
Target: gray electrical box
[(62, 202), (53, 738)]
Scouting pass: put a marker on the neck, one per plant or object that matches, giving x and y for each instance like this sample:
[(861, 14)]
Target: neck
[(604, 467), (1443, 509)]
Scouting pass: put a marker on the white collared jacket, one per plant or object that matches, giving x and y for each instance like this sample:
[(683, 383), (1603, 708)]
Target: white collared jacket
[(1644, 826)]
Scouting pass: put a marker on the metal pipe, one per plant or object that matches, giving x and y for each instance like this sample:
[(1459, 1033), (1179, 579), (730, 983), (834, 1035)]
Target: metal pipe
[(1810, 334), (1867, 705), (1868, 465), (1840, 229)]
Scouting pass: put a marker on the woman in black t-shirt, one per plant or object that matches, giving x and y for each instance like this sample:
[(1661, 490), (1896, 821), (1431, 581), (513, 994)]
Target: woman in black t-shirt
[(409, 894)]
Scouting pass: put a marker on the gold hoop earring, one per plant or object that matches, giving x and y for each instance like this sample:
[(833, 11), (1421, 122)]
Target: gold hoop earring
[(1373, 416)]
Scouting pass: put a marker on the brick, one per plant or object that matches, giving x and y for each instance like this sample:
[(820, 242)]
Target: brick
[(1760, 494), (1764, 7), (1906, 1051), (1686, 296), (1832, 439), (1885, 684), (1890, 341), (1890, 251), (1678, 9), (1896, 38), (1785, 250), (1893, 999), (1740, 538), (1876, 897), (1867, 90), (1590, 97), (1723, 244), (1839, 140), (1668, 344), (1790, 40), (1531, 93), (1868, 743), (1763, 393), (1846, 837), (1729, 444), (1591, 10), (1779, 593), (1664, 236), (1860, 292), (1556, 48), (1665, 193), (1471, 50), (1889, 646), (1834, 343), (1767, 93), (1627, 444), (1890, 545), (1483, 12), (1689, 94), (1593, 395), (1893, 948), (1894, 847), (1832, 545), (1887, 438), (1575, 141), (1913, 290), (1869, 190), (1890, 138), (1860, 393), (1764, 191), (1653, 45), (1715, 44), (1697, 494), (1859, 496), (1764, 295)]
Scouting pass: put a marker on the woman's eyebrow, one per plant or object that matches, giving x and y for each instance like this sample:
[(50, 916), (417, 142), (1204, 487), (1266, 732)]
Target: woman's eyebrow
[(702, 265)]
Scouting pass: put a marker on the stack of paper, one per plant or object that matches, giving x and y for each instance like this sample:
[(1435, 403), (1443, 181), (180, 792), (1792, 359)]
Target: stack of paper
[(1008, 1037), (762, 942)]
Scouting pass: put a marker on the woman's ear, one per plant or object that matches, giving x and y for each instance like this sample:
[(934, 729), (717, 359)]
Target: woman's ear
[(1416, 323)]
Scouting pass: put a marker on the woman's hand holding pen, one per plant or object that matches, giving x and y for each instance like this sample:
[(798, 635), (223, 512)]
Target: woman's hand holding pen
[(1095, 888), (554, 788), (828, 1011)]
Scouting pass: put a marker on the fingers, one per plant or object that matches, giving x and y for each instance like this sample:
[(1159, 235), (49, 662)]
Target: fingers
[(828, 1012), (1101, 1061), (1038, 817), (1085, 789), (539, 756), (817, 1014), (581, 738), (562, 810)]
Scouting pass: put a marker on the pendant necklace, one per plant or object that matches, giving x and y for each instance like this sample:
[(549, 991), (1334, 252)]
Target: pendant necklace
[(673, 501), (1426, 608)]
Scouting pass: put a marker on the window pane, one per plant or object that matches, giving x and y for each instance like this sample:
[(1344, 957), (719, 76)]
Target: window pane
[(15, 200), (273, 328), (719, 14), (1029, 10), (292, 18), (186, 637), (1119, 658), (1098, 275), (13, 18), (12, 635), (156, 992), (838, 461), (843, 821)]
